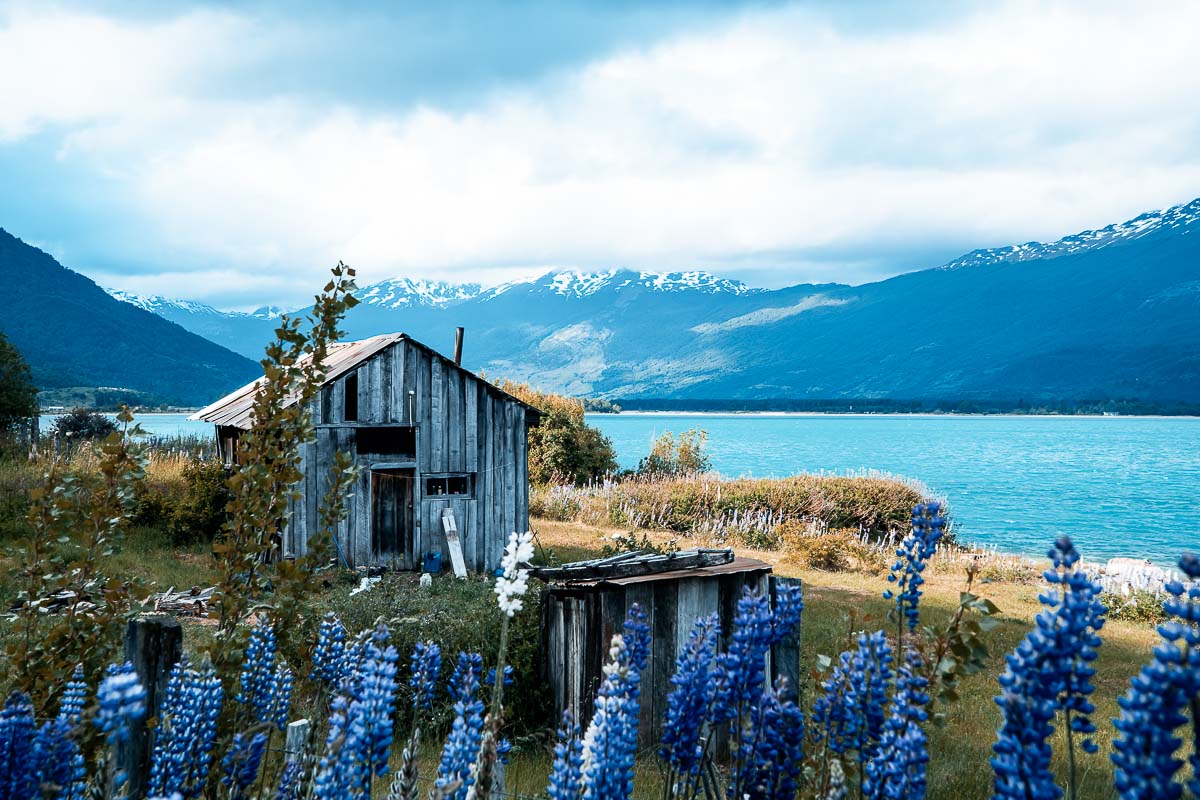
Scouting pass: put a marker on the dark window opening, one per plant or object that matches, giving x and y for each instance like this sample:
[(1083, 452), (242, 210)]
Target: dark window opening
[(449, 486), (350, 407), (389, 440)]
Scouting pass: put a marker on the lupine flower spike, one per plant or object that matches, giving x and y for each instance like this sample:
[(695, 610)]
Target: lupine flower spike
[(566, 775), (240, 764), (329, 657), (1050, 671), (610, 743), (687, 704), (462, 745), (70, 711), (187, 732), (897, 769), (265, 688), (1159, 700), (911, 557)]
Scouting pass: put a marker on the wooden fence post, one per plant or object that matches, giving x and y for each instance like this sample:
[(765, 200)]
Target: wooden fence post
[(153, 644), (297, 740), (785, 656)]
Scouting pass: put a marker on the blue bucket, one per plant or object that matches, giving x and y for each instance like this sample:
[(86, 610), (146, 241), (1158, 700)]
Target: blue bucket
[(432, 563)]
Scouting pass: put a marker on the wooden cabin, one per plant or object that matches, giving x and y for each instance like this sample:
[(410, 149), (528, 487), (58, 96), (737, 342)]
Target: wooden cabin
[(426, 435), (585, 604)]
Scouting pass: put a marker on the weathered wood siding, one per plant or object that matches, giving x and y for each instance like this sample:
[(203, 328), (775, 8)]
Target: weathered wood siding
[(464, 426), (578, 624)]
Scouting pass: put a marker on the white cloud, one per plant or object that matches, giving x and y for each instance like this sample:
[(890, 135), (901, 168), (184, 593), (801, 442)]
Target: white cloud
[(775, 132)]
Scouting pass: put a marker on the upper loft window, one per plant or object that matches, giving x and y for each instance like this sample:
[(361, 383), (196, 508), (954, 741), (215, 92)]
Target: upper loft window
[(450, 485), (350, 404), (387, 440)]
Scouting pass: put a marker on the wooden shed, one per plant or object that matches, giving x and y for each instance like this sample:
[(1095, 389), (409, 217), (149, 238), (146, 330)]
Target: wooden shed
[(586, 603), (427, 436)]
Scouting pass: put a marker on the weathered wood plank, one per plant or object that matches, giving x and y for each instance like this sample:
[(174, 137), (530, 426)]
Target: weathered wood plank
[(471, 421), (437, 417), (785, 656), (645, 564)]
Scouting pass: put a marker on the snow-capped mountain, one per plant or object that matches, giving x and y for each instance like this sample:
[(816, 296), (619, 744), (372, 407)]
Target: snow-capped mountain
[(1175, 219), (156, 304), (577, 284), (1109, 313), (407, 293)]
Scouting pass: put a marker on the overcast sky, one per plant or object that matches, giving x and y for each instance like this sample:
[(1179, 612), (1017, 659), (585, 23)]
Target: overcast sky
[(232, 153)]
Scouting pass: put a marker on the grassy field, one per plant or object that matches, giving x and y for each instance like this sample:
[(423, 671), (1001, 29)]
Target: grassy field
[(958, 768), (959, 751)]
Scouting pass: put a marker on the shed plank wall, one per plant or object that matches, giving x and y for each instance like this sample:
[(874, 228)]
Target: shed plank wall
[(579, 623), (463, 426)]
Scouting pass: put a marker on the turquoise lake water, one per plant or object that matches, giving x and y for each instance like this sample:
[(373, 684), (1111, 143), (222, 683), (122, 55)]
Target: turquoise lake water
[(1120, 486)]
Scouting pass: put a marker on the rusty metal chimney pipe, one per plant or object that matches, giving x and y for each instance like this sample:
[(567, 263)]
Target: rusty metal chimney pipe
[(458, 339)]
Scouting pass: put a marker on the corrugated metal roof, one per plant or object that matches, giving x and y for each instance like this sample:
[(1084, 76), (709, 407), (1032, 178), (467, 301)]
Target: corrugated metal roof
[(236, 408), (739, 564)]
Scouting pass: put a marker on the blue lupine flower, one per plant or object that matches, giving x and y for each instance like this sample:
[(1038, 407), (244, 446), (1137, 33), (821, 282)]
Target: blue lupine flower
[(1050, 671), (771, 760), (896, 771), (610, 743), (426, 666), (1158, 699), (490, 680), (741, 670), (377, 696), (786, 612), (240, 765), (342, 772), (122, 702), (74, 697), (56, 759), (70, 711), (18, 773), (566, 776), (503, 749), (187, 732), (289, 781), (329, 657), (462, 745), (850, 713), (911, 557), (687, 704), (265, 687)]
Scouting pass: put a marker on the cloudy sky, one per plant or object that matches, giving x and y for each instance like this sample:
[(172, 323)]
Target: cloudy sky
[(233, 152)]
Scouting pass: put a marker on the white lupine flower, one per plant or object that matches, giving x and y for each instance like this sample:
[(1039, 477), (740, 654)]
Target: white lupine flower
[(512, 585)]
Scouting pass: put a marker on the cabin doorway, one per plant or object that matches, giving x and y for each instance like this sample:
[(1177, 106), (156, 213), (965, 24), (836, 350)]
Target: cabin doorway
[(391, 513)]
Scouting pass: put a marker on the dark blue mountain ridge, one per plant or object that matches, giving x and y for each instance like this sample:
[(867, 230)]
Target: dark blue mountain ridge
[(73, 334), (1110, 313)]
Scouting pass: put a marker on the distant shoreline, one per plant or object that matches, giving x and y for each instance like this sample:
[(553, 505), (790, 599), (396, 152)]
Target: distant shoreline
[(914, 414)]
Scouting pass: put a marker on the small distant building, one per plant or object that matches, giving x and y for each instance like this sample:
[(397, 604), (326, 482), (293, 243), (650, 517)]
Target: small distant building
[(585, 603), (426, 434)]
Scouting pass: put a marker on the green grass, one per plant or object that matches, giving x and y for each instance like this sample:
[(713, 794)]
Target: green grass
[(461, 615), (837, 603)]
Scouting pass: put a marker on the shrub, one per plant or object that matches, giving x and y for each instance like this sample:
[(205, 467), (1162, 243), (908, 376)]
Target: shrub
[(83, 424), (672, 455), (828, 552), (1137, 606), (562, 447), (18, 397), (200, 513)]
